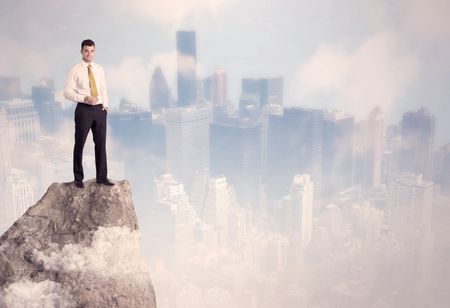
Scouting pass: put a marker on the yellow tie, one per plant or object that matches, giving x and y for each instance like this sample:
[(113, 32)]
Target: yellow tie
[(92, 84)]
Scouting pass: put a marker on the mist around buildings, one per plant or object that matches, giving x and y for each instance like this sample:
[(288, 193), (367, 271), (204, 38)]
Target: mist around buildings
[(252, 203)]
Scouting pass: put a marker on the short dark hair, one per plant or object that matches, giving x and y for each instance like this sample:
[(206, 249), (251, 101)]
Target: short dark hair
[(87, 42)]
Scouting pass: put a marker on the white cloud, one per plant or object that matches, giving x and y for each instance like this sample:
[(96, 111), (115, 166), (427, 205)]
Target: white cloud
[(44, 294), (110, 246), (378, 72), (171, 12)]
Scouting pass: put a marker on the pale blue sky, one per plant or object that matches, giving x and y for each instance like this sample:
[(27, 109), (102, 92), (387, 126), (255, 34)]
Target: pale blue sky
[(349, 55)]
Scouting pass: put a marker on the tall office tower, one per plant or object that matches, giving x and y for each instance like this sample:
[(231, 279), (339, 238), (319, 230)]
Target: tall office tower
[(374, 149), (23, 121), (160, 97), (337, 151), (294, 146), (235, 148), (410, 201), (219, 88), (217, 206), (131, 125), (9, 88), (187, 141), (5, 171), (5, 147), (172, 220), (417, 129), (23, 187), (442, 169), (259, 93), (302, 204), (49, 111), (186, 68)]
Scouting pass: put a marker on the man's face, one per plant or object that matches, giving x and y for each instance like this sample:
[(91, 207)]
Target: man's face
[(88, 53)]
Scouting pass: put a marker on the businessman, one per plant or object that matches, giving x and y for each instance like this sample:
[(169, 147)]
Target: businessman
[(86, 86)]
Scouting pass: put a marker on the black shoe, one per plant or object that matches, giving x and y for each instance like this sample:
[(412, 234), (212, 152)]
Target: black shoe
[(105, 182), (79, 184)]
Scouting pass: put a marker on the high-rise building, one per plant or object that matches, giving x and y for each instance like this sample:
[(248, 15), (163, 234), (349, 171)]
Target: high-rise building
[(294, 146), (49, 111), (186, 68), (187, 141), (131, 125), (442, 169), (417, 130), (160, 97), (5, 171), (23, 187), (9, 88), (374, 149), (216, 209), (23, 120), (410, 201), (302, 202), (214, 89), (259, 93), (337, 151), (172, 221), (235, 148)]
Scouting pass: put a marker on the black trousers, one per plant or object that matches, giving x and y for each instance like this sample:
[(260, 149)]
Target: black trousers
[(89, 117)]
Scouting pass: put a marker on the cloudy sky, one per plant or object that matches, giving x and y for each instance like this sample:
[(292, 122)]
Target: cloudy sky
[(349, 55)]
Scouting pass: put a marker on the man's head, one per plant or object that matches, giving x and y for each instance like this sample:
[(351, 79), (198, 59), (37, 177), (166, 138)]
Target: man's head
[(88, 50)]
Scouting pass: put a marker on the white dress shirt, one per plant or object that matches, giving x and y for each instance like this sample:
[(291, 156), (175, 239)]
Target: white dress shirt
[(77, 83)]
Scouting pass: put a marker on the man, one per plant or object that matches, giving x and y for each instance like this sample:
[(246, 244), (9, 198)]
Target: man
[(86, 86)]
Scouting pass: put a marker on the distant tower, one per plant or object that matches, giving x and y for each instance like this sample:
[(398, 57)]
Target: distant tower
[(259, 93), (374, 148), (219, 86), (9, 88), (186, 68), (49, 111), (410, 201), (187, 145), (235, 148), (294, 146), (302, 202), (337, 150), (417, 131), (23, 120), (159, 91), (172, 222)]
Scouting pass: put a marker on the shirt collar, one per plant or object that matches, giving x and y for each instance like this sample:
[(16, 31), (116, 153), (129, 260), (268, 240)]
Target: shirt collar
[(85, 64)]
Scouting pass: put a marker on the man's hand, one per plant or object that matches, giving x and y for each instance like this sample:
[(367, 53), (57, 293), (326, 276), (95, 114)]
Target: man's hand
[(105, 108), (91, 100)]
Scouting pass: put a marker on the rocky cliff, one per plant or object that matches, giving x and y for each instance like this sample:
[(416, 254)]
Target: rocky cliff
[(76, 248)]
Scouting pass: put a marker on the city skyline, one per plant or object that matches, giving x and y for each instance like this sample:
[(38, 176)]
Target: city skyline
[(263, 175)]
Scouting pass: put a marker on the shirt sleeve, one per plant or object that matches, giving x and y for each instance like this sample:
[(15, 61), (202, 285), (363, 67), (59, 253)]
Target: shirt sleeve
[(70, 87), (104, 90)]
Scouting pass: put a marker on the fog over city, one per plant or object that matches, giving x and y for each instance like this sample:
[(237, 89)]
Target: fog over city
[(280, 153)]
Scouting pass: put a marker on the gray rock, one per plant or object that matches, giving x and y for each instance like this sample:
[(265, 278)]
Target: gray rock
[(68, 218)]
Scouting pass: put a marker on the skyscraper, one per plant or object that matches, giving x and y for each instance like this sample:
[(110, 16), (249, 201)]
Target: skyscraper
[(186, 68), (259, 93), (172, 221), (294, 146), (302, 202), (417, 130), (235, 148), (23, 120), (337, 150), (374, 149), (9, 88), (49, 111), (410, 201), (160, 97), (187, 141)]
